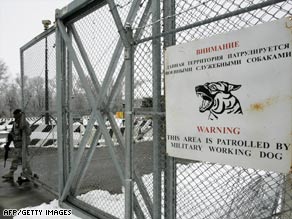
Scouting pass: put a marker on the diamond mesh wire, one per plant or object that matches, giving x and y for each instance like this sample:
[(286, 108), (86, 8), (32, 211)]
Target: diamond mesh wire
[(42, 149), (203, 190), (34, 68), (143, 73), (207, 190), (188, 12), (99, 36), (222, 191), (101, 187)]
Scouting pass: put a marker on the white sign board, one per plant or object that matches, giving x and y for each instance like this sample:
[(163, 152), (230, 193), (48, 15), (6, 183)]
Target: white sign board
[(228, 98)]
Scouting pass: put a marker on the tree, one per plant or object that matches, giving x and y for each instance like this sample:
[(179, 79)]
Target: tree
[(3, 76), (52, 94), (12, 98), (79, 100), (36, 98), (3, 88), (3, 71), (25, 81)]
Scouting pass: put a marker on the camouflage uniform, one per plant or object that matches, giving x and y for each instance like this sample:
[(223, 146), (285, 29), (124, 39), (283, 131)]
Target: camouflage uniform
[(16, 132), (19, 126)]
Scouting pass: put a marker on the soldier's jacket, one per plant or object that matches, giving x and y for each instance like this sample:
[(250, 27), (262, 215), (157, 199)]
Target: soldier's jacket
[(17, 131)]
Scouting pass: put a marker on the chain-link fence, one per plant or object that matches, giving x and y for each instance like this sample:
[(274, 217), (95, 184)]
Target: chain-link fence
[(38, 77), (106, 84), (39, 65), (205, 190)]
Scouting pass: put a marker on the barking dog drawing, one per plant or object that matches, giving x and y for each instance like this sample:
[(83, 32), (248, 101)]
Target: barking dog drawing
[(218, 99)]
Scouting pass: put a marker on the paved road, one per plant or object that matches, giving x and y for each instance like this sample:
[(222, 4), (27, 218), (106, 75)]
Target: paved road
[(101, 173), (15, 197)]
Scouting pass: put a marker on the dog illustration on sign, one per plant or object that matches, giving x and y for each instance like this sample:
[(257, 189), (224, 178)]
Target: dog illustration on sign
[(218, 99)]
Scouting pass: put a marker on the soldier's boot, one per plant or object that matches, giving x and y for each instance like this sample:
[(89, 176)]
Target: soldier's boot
[(27, 171), (8, 175)]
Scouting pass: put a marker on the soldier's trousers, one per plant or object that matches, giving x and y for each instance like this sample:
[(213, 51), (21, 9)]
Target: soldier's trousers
[(17, 160)]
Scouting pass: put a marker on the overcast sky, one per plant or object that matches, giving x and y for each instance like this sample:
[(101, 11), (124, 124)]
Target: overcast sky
[(20, 22)]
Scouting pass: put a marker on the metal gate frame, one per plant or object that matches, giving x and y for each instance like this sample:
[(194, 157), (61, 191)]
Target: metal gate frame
[(25, 102), (69, 174), (101, 105)]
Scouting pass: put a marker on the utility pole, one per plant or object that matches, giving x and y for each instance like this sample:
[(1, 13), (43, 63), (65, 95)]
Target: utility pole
[(46, 24)]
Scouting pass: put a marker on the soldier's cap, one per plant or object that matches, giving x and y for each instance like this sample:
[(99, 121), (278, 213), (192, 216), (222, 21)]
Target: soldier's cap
[(16, 111)]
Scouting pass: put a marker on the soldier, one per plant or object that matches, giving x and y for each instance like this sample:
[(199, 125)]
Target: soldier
[(19, 127)]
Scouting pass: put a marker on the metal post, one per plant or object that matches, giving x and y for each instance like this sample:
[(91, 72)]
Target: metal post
[(137, 35), (22, 79), (129, 80), (170, 166), (24, 145), (22, 105), (46, 24), (69, 144), (23, 118), (61, 118), (47, 119), (156, 80)]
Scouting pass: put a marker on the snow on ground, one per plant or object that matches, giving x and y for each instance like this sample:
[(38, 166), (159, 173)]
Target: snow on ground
[(219, 192), (111, 203), (103, 200)]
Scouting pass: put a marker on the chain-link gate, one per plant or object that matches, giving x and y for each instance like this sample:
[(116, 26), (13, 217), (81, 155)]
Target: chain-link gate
[(38, 83), (110, 161), (103, 161)]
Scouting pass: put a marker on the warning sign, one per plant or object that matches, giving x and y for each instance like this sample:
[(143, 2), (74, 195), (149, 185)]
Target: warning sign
[(228, 98)]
